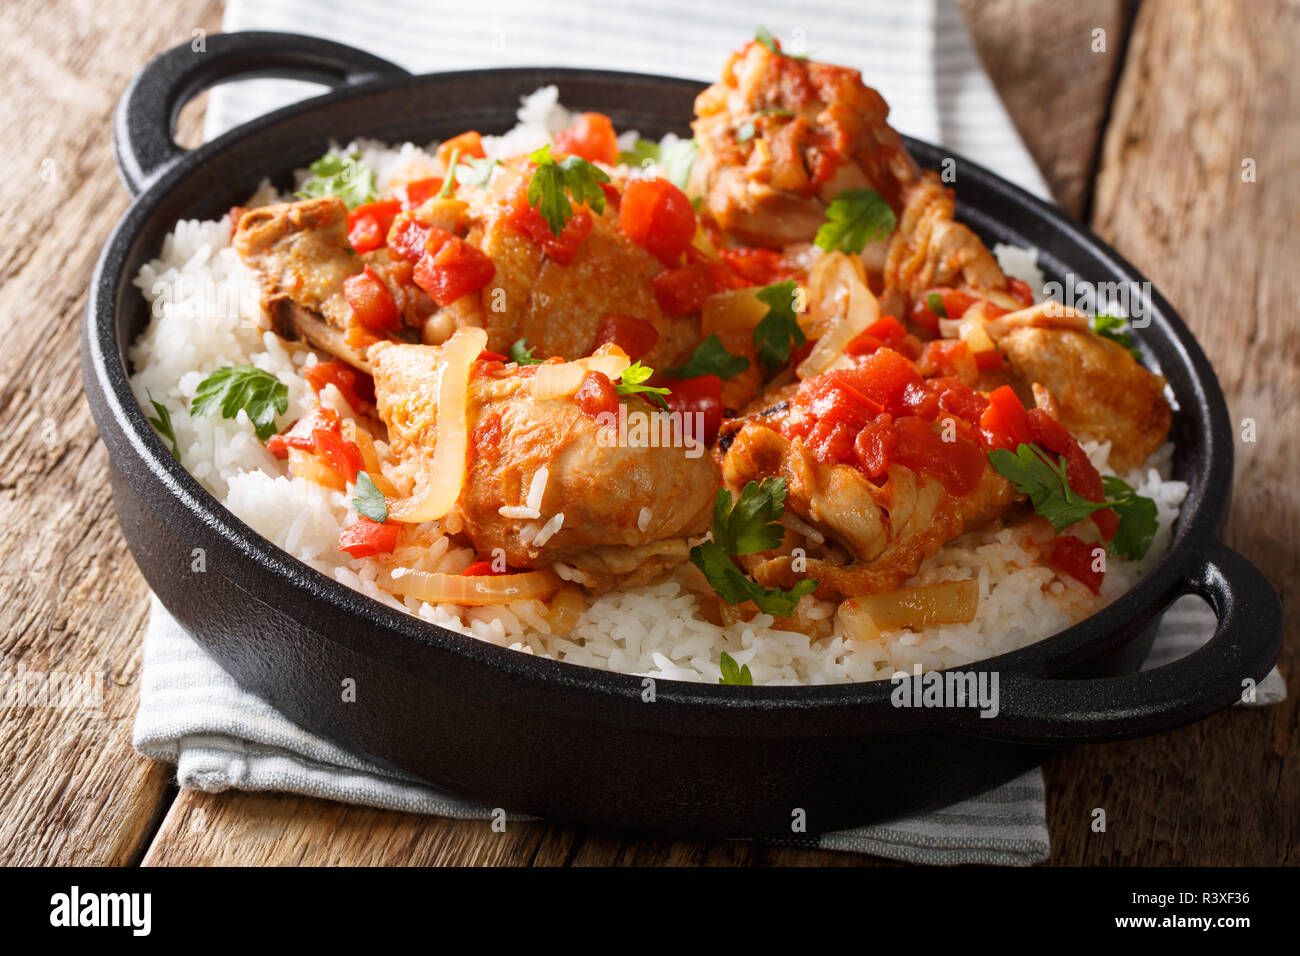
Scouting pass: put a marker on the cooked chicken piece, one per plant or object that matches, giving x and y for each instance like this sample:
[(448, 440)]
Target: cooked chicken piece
[(612, 496), (301, 254), (929, 248), (780, 137), (889, 529), (558, 307)]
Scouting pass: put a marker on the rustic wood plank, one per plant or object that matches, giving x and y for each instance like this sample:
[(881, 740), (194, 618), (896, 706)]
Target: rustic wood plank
[(72, 790), (1042, 58), (1204, 89)]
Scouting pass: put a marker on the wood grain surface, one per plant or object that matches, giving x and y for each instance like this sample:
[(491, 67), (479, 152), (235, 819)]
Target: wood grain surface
[(1150, 135)]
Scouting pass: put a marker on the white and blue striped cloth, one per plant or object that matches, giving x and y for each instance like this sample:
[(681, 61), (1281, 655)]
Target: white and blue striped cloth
[(916, 52)]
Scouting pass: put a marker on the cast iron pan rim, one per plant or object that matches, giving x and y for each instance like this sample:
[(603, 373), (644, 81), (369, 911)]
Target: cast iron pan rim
[(273, 575)]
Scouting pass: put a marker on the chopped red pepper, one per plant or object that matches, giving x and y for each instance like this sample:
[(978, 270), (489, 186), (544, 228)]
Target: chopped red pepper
[(467, 144), (634, 336), (372, 304), (369, 223), (1083, 477), (1021, 291), (758, 266), (1005, 421), (702, 394), (483, 569), (342, 456), (1076, 557), (414, 194), (299, 434), (366, 537), (596, 395), (683, 291), (357, 387), (457, 269)]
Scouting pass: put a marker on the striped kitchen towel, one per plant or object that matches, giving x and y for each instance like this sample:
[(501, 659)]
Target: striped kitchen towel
[(921, 58)]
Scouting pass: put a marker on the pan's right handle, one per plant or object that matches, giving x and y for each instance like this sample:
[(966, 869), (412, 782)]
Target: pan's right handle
[(146, 113)]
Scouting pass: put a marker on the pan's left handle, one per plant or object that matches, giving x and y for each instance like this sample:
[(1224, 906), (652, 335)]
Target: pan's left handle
[(146, 114)]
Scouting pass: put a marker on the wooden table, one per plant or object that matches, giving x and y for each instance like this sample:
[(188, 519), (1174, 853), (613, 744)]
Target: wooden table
[(1145, 140)]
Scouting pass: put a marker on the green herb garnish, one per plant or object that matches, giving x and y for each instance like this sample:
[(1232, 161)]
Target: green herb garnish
[(774, 332), (733, 674), (369, 500), (1043, 478), (934, 302), (554, 187), (242, 387), (449, 184), (342, 175), (764, 36), (747, 130), (521, 354), (711, 358), (1116, 329), (855, 219), (630, 382), (675, 160), (734, 587), (475, 172), (163, 423)]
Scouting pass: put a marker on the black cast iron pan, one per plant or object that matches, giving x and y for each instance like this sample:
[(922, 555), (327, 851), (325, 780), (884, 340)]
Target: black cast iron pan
[(563, 741)]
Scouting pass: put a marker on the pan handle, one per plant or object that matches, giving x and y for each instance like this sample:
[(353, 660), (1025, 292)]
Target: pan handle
[(1245, 644), (146, 113)]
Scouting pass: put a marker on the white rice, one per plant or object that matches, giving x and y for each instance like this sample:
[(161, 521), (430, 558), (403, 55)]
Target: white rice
[(205, 316)]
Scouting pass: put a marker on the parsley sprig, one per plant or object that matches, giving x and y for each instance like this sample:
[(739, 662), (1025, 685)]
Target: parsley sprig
[(775, 331), (732, 673), (711, 358), (855, 219), (747, 526), (632, 382), (343, 175), (554, 187), (368, 500), (163, 423), (674, 160), (764, 36), (242, 387), (1116, 329), (522, 354), (1043, 478)]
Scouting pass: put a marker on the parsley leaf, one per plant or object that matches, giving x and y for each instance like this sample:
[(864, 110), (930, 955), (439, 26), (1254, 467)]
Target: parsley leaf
[(521, 354), (475, 172), (747, 130), (764, 36), (753, 523), (855, 219), (1138, 520), (733, 674), (631, 379), (1114, 328), (369, 500), (674, 160), (342, 175), (236, 387), (934, 302), (711, 358), (774, 331), (163, 423), (732, 585), (449, 184), (1044, 480), (555, 186)]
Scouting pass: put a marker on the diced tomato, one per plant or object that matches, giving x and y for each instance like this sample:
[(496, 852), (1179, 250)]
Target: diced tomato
[(592, 137), (723, 276), (874, 446), (613, 197), (486, 356), (958, 398), (467, 144), (1075, 557), (366, 537), (529, 221), (357, 387), (300, 434), (955, 304), (414, 194), (1005, 422), (368, 224), (457, 269), (1021, 291), (342, 456), (949, 358), (683, 291), (702, 394), (408, 237), (1079, 470), (634, 336), (758, 266), (990, 359), (892, 382), (372, 304), (658, 217), (596, 395), (957, 465)]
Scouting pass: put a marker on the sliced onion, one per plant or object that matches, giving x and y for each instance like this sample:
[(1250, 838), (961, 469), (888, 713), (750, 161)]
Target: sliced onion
[(472, 590), (952, 602), (735, 310), (562, 380), (837, 289), (438, 487)]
